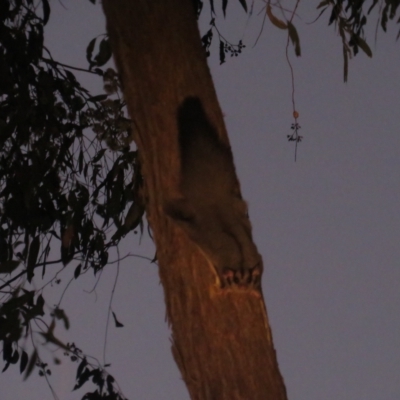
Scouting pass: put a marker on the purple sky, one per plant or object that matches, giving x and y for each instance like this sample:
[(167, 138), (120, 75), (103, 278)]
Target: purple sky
[(328, 226)]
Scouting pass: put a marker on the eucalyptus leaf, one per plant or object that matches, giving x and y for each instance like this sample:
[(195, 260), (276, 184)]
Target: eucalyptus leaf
[(274, 20), (294, 37)]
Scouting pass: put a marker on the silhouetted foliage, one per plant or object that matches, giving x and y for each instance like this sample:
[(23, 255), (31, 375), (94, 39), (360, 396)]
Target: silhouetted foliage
[(350, 18), (67, 175)]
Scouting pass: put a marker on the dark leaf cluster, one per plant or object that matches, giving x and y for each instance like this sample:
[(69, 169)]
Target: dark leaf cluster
[(103, 55), (350, 18), (105, 383), (58, 180), (224, 46), (16, 315), (388, 11), (67, 173)]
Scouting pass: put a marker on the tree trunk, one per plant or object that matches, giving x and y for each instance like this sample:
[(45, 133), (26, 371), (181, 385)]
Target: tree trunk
[(221, 337)]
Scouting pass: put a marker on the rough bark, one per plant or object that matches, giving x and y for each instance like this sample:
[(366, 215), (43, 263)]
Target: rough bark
[(221, 337)]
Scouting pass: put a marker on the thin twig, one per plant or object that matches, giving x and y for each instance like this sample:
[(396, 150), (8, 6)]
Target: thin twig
[(295, 114)]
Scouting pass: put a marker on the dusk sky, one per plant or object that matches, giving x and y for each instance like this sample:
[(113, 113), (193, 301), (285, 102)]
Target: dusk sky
[(327, 226)]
